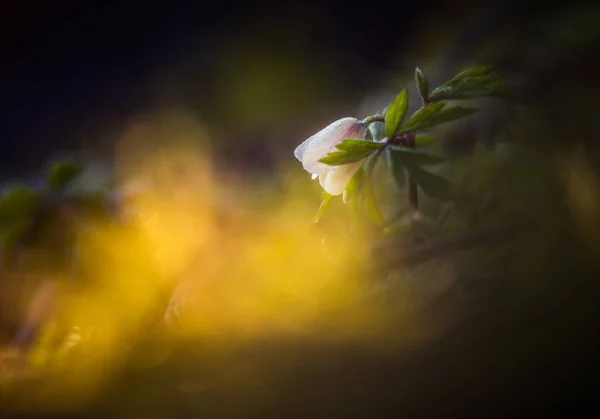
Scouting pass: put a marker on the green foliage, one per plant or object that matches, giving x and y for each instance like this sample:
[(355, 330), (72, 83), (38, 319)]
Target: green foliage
[(434, 114), (433, 185), (396, 113), (407, 156), (326, 200), (62, 174), (29, 213), (404, 160), (17, 212), (422, 83), (423, 140), (472, 83), (350, 151), (371, 202), (355, 185), (16, 202), (405, 136), (396, 168)]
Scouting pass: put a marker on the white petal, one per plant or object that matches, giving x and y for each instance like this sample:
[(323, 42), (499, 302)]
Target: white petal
[(335, 181), (314, 176), (324, 142), (299, 151)]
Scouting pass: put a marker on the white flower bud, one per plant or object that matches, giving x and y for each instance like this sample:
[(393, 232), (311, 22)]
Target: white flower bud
[(333, 179), (325, 141)]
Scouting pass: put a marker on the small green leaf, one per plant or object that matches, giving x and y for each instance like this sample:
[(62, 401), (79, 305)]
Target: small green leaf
[(63, 173), (422, 83), (433, 185), (325, 202), (350, 151), (434, 114), (470, 88), (352, 145), (473, 83), (474, 72), (396, 113)]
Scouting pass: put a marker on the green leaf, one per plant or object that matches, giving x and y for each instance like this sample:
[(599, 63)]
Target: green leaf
[(422, 83), (396, 113), (473, 83), (371, 202), (423, 140), (17, 211), (407, 156), (470, 88), (18, 202), (474, 72), (63, 173), (433, 185), (326, 200), (350, 151), (352, 145), (396, 169), (434, 114), (354, 186)]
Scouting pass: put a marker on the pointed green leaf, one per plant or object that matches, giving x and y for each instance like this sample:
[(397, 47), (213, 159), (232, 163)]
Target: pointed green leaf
[(470, 86), (350, 151), (433, 185), (473, 83), (434, 114), (474, 72), (396, 113), (325, 202), (352, 145), (63, 173), (422, 83)]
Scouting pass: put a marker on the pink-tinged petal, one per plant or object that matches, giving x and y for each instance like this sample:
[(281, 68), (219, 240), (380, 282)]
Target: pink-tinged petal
[(336, 180), (325, 141)]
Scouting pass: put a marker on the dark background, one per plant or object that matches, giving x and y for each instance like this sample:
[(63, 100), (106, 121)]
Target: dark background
[(72, 73)]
